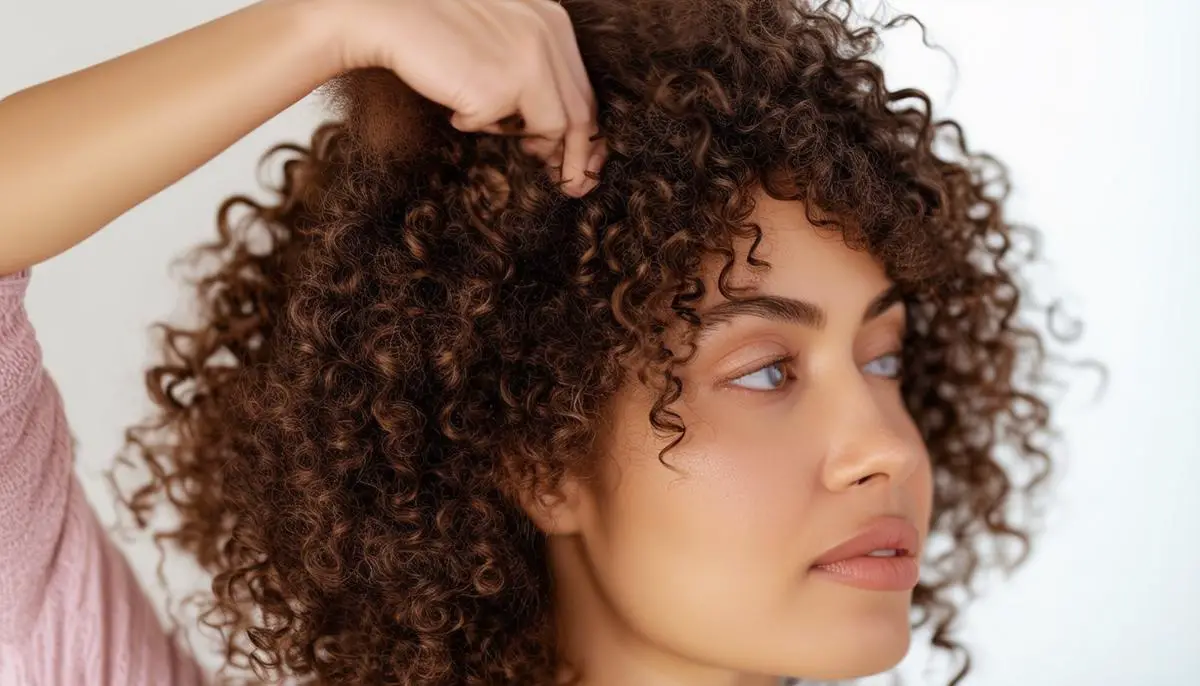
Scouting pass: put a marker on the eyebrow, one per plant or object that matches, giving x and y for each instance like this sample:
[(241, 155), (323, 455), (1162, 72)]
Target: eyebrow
[(785, 309)]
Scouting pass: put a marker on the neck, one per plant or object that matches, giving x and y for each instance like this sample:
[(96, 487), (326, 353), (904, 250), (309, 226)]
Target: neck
[(605, 650)]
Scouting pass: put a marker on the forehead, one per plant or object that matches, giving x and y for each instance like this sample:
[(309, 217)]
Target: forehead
[(806, 262)]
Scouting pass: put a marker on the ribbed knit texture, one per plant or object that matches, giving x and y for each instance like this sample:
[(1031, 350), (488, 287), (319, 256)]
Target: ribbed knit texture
[(71, 611)]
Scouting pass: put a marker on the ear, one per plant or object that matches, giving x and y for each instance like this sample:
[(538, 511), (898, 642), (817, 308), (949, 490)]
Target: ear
[(556, 511)]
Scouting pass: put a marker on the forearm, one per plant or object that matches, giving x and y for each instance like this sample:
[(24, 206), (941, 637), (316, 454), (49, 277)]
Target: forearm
[(81, 150)]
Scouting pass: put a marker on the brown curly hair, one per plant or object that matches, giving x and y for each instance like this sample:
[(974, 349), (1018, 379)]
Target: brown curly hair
[(420, 326)]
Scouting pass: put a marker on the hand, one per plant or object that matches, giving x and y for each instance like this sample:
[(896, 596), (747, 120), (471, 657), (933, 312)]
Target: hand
[(489, 61)]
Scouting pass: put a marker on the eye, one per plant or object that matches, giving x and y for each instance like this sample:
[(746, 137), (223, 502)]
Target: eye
[(888, 366), (770, 377)]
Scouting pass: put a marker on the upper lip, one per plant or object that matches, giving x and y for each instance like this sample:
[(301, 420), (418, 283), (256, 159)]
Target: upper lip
[(883, 533)]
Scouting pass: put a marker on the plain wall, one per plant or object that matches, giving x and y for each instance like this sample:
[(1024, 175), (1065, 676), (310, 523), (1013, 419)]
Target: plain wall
[(1094, 107)]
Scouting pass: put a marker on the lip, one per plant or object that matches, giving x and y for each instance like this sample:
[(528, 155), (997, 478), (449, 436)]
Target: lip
[(849, 564)]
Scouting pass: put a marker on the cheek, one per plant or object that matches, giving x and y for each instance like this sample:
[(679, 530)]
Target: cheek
[(729, 482), (731, 515), (752, 485)]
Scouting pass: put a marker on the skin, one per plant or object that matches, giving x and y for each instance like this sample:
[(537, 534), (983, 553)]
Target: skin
[(701, 576)]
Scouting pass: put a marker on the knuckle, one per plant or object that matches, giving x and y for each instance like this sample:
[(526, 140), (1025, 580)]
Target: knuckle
[(557, 13)]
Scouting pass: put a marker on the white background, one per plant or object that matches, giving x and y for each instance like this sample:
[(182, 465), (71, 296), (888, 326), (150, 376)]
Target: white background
[(1092, 104)]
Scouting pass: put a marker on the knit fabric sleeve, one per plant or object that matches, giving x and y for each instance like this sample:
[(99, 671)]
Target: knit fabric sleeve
[(72, 613)]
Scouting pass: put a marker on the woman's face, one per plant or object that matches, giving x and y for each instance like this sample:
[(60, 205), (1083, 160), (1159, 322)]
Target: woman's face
[(797, 442)]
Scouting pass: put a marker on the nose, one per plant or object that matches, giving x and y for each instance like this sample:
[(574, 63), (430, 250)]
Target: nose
[(871, 438)]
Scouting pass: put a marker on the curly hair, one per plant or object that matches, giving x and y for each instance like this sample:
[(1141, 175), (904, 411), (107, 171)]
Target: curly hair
[(419, 325)]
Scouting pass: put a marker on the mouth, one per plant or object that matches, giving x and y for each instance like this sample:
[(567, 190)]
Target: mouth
[(889, 552), (883, 557)]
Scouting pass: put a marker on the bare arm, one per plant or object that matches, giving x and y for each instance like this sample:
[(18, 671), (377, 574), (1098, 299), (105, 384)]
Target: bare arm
[(81, 150)]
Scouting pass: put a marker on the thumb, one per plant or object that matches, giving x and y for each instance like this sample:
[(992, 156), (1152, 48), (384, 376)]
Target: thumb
[(473, 121), (479, 118)]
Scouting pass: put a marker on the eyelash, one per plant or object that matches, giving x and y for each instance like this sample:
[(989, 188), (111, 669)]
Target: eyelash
[(790, 377)]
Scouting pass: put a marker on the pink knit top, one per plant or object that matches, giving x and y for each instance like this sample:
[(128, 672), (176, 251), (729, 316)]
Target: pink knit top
[(71, 611)]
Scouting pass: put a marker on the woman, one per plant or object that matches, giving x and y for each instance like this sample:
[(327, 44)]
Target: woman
[(692, 420)]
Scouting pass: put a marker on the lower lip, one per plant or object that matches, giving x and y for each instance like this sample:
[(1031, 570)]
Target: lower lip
[(899, 573)]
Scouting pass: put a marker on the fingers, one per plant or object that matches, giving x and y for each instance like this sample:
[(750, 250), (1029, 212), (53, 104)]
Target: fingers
[(543, 148), (512, 125), (480, 121), (534, 108), (555, 107), (576, 141), (563, 33), (579, 99)]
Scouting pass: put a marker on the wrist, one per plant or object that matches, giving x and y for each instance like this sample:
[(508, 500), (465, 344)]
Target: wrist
[(322, 26)]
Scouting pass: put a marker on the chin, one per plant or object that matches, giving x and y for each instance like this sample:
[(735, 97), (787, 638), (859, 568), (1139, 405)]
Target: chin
[(855, 643), (872, 655)]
